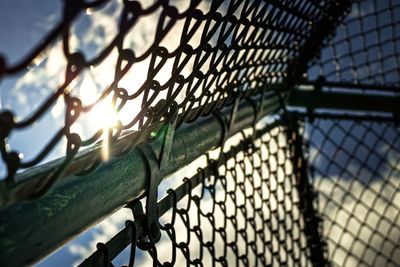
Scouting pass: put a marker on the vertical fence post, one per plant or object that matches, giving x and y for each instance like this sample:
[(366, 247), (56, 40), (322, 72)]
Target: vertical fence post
[(306, 192)]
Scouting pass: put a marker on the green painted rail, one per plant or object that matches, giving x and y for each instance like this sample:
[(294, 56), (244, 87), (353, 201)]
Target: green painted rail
[(31, 230)]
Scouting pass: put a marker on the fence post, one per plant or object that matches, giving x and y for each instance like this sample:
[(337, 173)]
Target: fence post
[(311, 220)]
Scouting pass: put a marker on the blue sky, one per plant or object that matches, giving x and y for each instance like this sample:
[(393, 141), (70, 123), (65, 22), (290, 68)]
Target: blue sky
[(25, 23)]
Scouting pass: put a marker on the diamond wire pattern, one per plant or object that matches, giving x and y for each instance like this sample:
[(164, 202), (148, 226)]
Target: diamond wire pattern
[(246, 212), (356, 174), (201, 54), (365, 48)]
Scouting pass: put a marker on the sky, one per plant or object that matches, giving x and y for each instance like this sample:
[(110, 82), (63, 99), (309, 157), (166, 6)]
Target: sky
[(25, 23), (356, 164)]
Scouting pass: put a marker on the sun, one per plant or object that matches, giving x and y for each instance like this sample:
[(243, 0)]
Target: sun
[(103, 115), (106, 118)]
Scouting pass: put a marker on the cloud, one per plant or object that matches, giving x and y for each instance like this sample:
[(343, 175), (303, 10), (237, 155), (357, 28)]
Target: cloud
[(359, 203), (102, 232)]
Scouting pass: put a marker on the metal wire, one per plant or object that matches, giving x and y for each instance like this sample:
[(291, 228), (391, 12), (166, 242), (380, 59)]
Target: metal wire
[(262, 201), (363, 54), (247, 209), (354, 158), (356, 172), (228, 47)]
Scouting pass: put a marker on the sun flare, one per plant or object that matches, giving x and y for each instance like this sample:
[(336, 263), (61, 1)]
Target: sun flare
[(106, 118)]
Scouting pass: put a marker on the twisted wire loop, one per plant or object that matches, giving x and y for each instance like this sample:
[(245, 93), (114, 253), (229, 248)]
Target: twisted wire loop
[(309, 189), (218, 48), (243, 210)]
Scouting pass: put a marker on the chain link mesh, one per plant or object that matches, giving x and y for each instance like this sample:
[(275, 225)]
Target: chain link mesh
[(246, 209), (364, 51), (261, 202), (355, 169), (354, 158), (198, 56)]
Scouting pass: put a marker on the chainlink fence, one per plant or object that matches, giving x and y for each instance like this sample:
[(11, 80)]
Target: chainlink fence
[(354, 158), (364, 51), (198, 56), (290, 106), (355, 170), (248, 208)]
